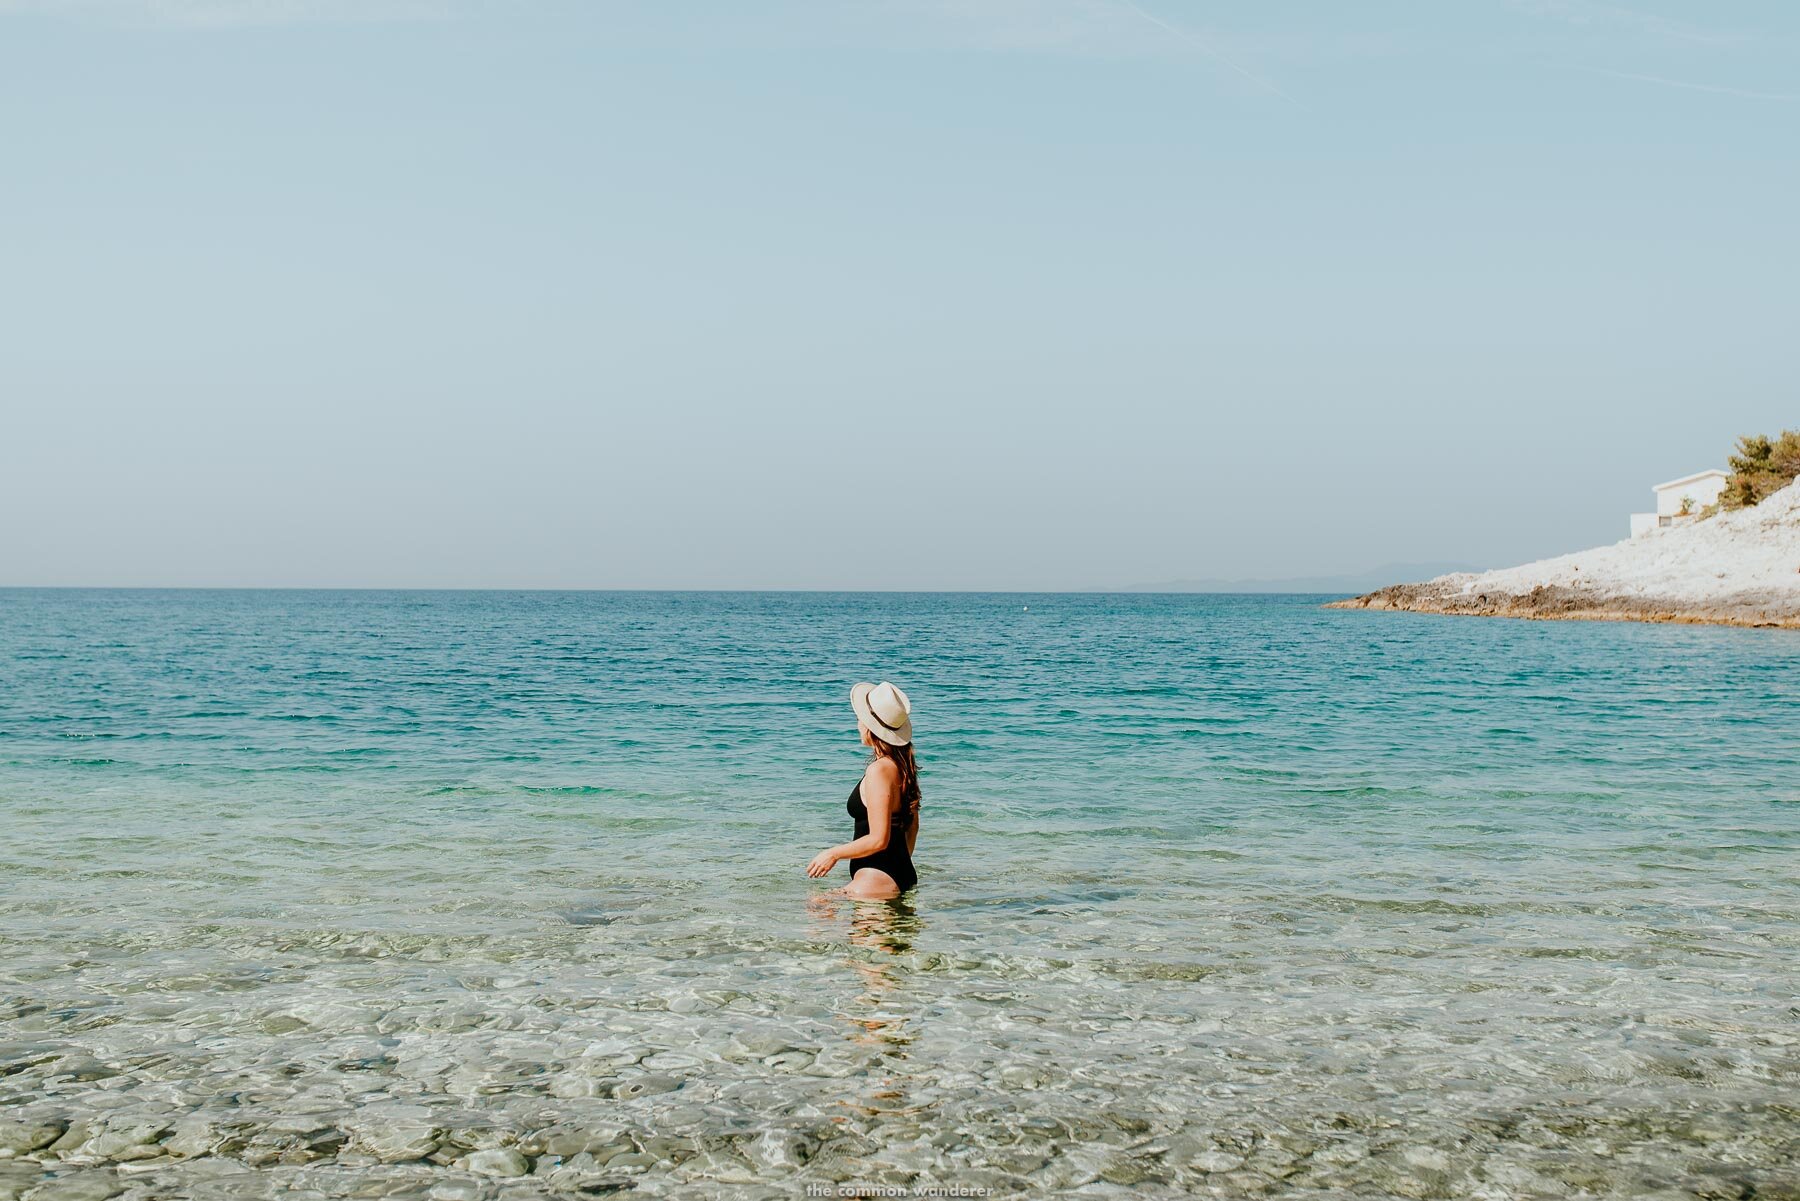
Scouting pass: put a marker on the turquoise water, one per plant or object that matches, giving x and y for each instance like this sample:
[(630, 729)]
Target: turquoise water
[(332, 894)]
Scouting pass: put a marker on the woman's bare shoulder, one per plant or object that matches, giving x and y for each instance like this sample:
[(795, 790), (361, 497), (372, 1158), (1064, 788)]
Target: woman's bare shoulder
[(883, 771)]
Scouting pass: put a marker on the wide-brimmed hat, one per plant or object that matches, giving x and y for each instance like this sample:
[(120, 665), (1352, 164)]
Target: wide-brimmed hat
[(885, 712)]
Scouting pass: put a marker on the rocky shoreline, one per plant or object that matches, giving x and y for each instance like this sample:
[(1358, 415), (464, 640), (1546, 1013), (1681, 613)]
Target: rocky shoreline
[(1761, 610), (1738, 569)]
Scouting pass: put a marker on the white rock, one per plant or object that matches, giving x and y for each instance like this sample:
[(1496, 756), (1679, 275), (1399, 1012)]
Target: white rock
[(1755, 550), (84, 1186), (22, 1138), (1429, 1158), (500, 1161)]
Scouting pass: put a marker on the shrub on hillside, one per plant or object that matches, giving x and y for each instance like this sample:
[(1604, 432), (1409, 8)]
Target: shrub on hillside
[(1762, 465)]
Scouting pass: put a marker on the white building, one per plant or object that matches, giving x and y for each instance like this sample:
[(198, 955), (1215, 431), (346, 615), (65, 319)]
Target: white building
[(1680, 501)]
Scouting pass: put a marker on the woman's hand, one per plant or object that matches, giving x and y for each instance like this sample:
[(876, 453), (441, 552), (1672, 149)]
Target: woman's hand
[(822, 863)]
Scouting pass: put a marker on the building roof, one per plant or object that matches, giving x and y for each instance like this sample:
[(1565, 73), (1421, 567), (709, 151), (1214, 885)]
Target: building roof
[(1692, 479)]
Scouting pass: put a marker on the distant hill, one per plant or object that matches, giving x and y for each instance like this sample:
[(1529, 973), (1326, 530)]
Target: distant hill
[(1358, 583)]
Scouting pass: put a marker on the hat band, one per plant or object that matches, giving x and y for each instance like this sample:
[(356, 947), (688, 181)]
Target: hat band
[(879, 719)]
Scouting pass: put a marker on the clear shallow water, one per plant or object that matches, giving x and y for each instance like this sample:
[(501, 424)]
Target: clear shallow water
[(325, 893)]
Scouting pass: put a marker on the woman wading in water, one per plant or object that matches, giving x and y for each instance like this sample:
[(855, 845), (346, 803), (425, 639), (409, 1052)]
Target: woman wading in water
[(884, 805)]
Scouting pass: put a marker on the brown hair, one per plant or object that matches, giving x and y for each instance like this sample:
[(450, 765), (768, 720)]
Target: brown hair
[(909, 778)]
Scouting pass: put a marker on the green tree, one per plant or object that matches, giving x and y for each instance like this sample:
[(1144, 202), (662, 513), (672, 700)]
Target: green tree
[(1762, 465)]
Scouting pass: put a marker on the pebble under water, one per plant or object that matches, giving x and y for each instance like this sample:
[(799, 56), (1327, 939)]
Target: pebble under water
[(496, 895)]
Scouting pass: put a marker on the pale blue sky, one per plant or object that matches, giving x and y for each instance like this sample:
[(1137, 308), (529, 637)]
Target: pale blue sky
[(876, 293)]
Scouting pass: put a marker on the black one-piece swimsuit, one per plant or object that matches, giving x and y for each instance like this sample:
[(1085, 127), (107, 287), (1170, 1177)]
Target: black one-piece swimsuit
[(894, 858)]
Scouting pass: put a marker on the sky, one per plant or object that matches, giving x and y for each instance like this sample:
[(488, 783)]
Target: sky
[(915, 294)]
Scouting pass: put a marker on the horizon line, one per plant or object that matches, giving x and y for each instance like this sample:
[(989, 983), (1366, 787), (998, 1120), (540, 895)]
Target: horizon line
[(665, 591)]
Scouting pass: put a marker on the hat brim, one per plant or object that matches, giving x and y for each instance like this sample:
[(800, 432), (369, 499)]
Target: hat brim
[(859, 701)]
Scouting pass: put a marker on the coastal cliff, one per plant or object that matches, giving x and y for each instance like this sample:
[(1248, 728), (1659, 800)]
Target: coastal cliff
[(1739, 568)]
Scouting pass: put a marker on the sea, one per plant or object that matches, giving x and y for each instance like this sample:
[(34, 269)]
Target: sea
[(468, 895)]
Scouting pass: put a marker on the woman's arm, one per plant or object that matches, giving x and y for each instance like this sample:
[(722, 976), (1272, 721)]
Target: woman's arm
[(880, 794)]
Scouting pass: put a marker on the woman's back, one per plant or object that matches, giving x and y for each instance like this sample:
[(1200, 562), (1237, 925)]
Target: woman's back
[(896, 857)]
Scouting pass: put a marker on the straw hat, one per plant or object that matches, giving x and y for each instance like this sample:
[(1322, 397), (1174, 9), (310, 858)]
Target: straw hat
[(885, 712)]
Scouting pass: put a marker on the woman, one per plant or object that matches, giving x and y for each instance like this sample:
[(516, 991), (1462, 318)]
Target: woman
[(885, 805)]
